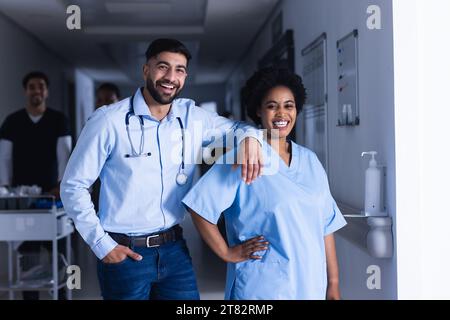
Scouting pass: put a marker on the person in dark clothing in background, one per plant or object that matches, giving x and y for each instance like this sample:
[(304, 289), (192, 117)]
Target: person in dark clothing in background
[(35, 145), (107, 93)]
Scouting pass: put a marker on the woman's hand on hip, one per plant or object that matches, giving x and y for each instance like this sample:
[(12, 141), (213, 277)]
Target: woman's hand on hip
[(246, 250)]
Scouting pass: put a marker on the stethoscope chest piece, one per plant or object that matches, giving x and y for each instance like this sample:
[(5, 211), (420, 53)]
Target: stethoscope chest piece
[(181, 179)]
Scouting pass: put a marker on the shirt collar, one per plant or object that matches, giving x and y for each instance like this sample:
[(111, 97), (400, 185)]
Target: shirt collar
[(141, 107)]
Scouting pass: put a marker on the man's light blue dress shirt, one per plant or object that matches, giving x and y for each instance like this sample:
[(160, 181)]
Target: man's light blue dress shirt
[(139, 195)]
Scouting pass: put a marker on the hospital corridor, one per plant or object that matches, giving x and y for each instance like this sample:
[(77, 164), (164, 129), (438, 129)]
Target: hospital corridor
[(211, 149)]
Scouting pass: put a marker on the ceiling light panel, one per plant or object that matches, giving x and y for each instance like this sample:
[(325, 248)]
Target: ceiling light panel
[(138, 7)]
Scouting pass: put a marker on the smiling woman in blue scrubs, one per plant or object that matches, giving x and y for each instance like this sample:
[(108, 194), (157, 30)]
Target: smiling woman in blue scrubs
[(280, 228)]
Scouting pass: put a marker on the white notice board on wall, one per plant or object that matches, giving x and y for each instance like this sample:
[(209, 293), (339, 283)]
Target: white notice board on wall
[(312, 123), (347, 59)]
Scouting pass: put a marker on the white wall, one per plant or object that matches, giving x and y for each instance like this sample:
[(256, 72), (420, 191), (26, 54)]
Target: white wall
[(21, 53), (337, 18), (422, 113), (84, 99)]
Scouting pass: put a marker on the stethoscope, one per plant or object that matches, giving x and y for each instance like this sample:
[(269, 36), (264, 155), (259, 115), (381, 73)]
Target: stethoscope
[(181, 178)]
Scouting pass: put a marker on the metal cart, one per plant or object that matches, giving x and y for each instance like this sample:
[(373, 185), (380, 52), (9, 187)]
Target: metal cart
[(34, 224)]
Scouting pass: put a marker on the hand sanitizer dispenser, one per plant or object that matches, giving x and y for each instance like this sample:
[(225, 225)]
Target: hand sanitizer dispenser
[(372, 201)]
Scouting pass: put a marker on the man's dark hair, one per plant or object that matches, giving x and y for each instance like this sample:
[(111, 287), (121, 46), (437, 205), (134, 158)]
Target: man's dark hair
[(266, 79), (109, 87), (34, 75), (169, 45)]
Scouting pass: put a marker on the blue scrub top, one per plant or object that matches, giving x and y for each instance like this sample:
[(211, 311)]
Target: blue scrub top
[(292, 207)]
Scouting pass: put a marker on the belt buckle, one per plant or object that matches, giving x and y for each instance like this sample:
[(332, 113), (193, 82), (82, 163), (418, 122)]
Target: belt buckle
[(148, 239)]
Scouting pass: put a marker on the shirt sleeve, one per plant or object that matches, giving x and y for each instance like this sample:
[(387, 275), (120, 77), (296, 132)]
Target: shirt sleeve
[(333, 218), (6, 165), (63, 149), (91, 151), (63, 127), (218, 127), (214, 192), (6, 130), (6, 149)]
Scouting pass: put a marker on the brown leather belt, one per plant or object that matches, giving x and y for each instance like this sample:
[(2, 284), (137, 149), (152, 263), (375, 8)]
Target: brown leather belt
[(150, 240)]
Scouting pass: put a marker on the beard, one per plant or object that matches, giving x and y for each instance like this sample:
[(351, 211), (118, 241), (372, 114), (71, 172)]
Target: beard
[(160, 98), (36, 101)]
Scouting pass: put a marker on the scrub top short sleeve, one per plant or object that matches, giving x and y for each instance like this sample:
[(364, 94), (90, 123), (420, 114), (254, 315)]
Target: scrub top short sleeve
[(333, 218), (214, 192)]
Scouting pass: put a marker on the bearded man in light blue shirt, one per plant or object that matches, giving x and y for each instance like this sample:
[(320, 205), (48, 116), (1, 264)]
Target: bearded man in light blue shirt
[(144, 149)]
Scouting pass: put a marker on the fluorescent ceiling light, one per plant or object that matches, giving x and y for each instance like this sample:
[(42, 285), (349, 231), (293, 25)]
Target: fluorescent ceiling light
[(135, 7), (127, 30)]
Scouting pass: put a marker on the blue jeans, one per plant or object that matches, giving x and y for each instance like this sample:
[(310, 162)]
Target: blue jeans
[(164, 273)]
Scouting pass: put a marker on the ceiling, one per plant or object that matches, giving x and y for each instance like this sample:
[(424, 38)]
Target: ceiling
[(115, 33)]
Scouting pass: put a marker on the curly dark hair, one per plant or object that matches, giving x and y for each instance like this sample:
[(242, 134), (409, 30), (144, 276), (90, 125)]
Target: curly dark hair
[(264, 80)]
